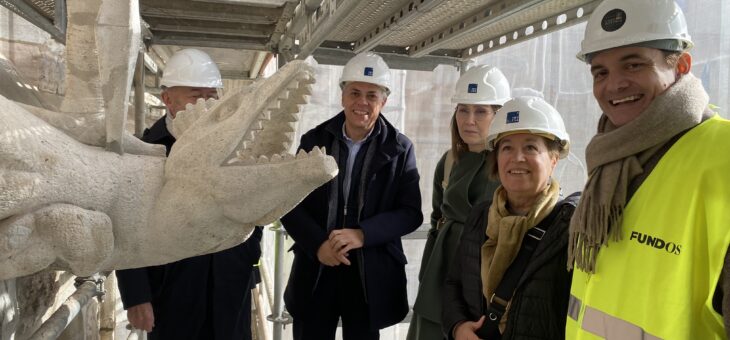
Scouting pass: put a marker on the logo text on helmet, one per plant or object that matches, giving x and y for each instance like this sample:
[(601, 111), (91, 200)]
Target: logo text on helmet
[(472, 88), (613, 20), (368, 72), (513, 117)]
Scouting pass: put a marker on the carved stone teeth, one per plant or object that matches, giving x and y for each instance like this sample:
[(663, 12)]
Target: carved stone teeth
[(246, 160), (291, 117), (288, 127), (250, 136), (293, 85), (276, 158), (288, 156), (210, 102), (246, 145), (265, 115), (284, 95), (290, 108), (299, 99), (307, 78), (274, 105), (257, 125), (324, 150), (262, 159), (234, 160), (301, 154), (316, 151)]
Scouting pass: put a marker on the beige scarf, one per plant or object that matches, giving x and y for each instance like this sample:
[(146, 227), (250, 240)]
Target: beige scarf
[(615, 156), (505, 233)]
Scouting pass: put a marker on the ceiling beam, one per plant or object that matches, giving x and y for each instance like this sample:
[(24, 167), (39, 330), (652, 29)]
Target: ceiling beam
[(33, 16), (287, 13), (323, 22), (395, 57), (476, 22), (193, 10), (217, 30), (399, 19), (541, 27), (208, 41), (257, 3), (231, 74), (222, 17)]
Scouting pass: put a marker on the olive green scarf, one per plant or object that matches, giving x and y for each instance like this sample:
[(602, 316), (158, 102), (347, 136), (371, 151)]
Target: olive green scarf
[(506, 231)]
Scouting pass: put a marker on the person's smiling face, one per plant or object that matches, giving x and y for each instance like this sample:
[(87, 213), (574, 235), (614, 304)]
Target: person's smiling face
[(626, 80), (362, 103), (525, 164)]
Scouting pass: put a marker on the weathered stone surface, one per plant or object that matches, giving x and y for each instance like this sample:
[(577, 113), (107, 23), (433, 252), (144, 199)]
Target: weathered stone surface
[(68, 204), (9, 310), (38, 296), (75, 207)]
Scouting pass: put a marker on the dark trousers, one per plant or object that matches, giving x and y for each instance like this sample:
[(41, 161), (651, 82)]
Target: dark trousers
[(208, 297), (339, 294)]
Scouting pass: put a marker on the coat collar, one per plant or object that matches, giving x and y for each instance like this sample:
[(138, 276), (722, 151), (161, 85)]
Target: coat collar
[(386, 136), (158, 131)]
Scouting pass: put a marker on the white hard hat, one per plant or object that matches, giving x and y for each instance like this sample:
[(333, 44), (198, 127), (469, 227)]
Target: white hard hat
[(367, 67), (482, 85), (615, 23), (528, 115), (191, 67)]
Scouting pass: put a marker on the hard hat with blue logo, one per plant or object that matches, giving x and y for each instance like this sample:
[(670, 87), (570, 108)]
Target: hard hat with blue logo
[(615, 23), (482, 85), (367, 67), (531, 115)]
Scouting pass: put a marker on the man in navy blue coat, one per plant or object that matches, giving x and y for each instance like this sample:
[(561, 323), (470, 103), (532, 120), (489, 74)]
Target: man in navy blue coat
[(202, 297), (348, 257)]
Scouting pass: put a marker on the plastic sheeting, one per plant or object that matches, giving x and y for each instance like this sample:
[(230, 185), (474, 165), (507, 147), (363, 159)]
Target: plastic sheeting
[(420, 105)]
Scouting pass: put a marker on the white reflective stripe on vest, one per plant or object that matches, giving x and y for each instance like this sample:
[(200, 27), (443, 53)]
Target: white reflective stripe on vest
[(574, 307), (604, 325), (612, 328)]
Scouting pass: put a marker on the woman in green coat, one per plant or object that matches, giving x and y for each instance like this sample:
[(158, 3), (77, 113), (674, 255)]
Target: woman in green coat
[(460, 182)]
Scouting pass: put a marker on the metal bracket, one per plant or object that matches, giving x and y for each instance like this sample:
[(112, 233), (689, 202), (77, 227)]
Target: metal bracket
[(56, 27), (97, 279), (284, 319)]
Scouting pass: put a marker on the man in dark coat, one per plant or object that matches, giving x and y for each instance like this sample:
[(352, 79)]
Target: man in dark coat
[(348, 257), (202, 297)]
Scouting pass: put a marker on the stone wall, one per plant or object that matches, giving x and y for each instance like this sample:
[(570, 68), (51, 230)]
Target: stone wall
[(31, 72)]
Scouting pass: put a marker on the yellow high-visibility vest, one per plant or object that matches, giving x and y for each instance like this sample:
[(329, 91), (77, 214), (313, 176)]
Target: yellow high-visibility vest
[(658, 281)]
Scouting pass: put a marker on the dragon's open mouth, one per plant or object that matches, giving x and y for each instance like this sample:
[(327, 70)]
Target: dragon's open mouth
[(255, 125), (270, 135)]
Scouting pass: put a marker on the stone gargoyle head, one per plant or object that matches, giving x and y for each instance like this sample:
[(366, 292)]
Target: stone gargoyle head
[(72, 206)]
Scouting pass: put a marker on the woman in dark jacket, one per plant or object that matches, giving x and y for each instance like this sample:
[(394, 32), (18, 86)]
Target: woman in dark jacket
[(460, 182), (509, 279)]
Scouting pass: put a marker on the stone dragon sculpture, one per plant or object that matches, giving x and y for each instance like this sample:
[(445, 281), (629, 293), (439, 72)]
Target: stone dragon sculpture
[(66, 203)]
